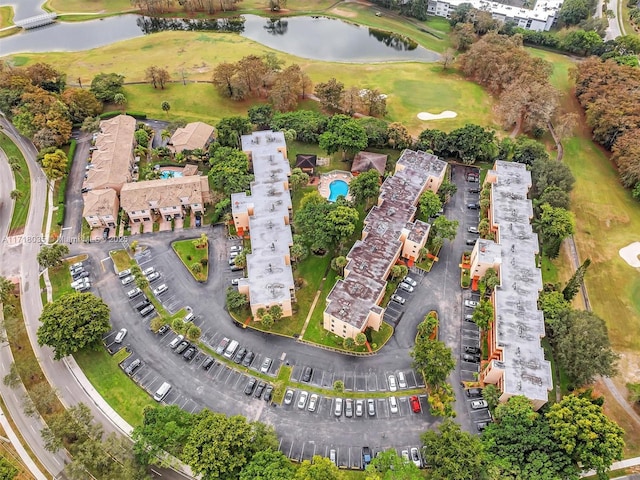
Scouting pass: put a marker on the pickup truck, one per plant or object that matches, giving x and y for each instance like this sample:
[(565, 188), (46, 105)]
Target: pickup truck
[(366, 457)]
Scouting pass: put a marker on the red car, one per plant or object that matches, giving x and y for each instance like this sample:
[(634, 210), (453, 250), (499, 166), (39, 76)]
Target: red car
[(415, 404)]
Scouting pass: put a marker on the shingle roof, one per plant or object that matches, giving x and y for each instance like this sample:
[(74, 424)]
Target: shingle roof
[(99, 202), (306, 161), (365, 161), (164, 193), (192, 136)]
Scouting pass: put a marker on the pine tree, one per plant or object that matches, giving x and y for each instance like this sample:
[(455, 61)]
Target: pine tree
[(575, 282)]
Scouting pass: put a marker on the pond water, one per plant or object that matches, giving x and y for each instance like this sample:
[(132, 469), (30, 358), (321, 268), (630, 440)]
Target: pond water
[(317, 38)]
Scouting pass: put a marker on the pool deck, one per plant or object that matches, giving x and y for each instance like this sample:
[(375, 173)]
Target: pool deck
[(327, 178)]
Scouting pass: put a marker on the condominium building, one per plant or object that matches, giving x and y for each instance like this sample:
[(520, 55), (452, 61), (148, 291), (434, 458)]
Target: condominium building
[(101, 208), (265, 216), (192, 136), (516, 363), (389, 233)]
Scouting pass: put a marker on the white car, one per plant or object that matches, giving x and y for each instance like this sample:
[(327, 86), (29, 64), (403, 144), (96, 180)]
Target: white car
[(393, 386), (148, 271), (415, 458), (160, 290), (393, 404), (235, 248), (359, 408), (266, 365), (288, 397), (302, 399), (337, 410), (402, 381), (124, 273), (405, 455), (410, 281), (405, 286), (120, 335), (478, 404), (397, 298), (313, 402), (127, 280), (473, 230), (134, 293), (153, 276), (80, 282), (470, 303)]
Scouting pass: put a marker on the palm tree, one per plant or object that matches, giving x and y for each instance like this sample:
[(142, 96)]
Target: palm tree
[(16, 194), (165, 135), (120, 99)]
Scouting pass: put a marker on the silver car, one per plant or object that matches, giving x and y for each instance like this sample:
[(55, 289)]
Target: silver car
[(313, 402), (302, 399), (405, 286), (410, 281), (337, 409), (288, 397)]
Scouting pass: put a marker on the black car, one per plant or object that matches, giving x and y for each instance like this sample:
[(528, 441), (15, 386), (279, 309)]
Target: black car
[(473, 206), (133, 366), (474, 190), (189, 353), (198, 221), (268, 393), (307, 374), (105, 233), (183, 346), (163, 329), (248, 358), (474, 392), (143, 304), (472, 350), (259, 389), (208, 363), (240, 355), (467, 357), (251, 384)]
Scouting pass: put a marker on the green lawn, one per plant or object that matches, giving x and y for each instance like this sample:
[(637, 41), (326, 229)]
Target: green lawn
[(190, 255), (113, 384), (60, 279), (23, 184), (6, 16)]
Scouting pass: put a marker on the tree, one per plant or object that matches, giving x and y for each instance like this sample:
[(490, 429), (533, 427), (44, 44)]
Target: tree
[(388, 465), (338, 386), (634, 392), (492, 395), (351, 101), (224, 79), (250, 74), (399, 136), (236, 301), (446, 190), (7, 470), (193, 333), (434, 359), (365, 187), (298, 179), (142, 137), (72, 323), (348, 343), (555, 197), (55, 164), (166, 106), (545, 174), (454, 454), (626, 155), (527, 151), (374, 102), (267, 465), (447, 58), (483, 314), (360, 339), (267, 321), (157, 76), (376, 130), (220, 446), (310, 221), (120, 100), (229, 170), (319, 468), (81, 104), (261, 115), (575, 282), (286, 92), (444, 228), (51, 255), (463, 36), (330, 93), (554, 225), (7, 288), (586, 434), (472, 143), (490, 279), (429, 204), (106, 85), (528, 104), (343, 134), (554, 307), (573, 12), (584, 350), (229, 130), (341, 222)]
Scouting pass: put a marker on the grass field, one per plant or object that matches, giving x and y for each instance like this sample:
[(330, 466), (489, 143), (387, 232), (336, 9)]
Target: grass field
[(411, 87), (121, 259), (6, 16), (23, 184), (189, 254)]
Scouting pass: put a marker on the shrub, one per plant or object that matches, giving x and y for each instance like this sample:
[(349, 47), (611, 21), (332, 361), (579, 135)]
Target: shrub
[(178, 325), (193, 333), (62, 188), (196, 267), (348, 343), (338, 386), (189, 257), (138, 115), (60, 215), (204, 261)]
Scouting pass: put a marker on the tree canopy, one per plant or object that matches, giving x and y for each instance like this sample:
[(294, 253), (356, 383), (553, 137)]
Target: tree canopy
[(343, 134), (230, 129), (365, 187), (73, 322), (429, 204), (229, 170), (51, 255), (105, 86)]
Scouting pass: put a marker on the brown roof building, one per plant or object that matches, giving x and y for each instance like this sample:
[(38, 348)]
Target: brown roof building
[(389, 233), (170, 198), (306, 162), (365, 161), (112, 161), (191, 137), (101, 207)]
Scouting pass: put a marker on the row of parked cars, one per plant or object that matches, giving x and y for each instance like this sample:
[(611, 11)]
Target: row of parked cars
[(234, 251), (144, 306), (408, 284), (80, 280)]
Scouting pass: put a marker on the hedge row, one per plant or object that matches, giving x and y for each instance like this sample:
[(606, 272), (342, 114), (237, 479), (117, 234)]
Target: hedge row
[(62, 188), (60, 214), (138, 115)]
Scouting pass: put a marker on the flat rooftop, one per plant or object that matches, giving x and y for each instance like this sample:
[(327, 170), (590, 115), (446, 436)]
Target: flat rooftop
[(519, 324), (269, 278), (353, 298), (542, 10)]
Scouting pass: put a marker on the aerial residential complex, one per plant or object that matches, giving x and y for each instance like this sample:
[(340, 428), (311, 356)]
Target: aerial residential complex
[(540, 18), (265, 215), (389, 234), (516, 362)]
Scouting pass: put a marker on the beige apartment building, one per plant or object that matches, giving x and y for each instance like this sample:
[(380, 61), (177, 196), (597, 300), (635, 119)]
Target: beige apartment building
[(516, 363), (101, 208), (195, 135), (265, 216), (390, 233)]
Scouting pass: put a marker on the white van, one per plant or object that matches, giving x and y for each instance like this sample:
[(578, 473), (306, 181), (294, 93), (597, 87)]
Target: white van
[(162, 391), (231, 349), (188, 317)]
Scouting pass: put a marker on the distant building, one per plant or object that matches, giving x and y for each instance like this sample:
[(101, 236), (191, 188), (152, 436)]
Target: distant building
[(539, 18), (365, 161), (112, 161), (389, 234), (265, 215), (306, 162), (516, 363), (195, 135), (101, 208)]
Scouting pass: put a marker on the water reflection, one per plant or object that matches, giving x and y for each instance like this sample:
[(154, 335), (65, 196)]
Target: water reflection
[(155, 24), (393, 40), (277, 26)]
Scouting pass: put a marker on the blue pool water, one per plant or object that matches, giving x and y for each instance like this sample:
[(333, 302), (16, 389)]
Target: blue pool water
[(337, 188), (170, 174)]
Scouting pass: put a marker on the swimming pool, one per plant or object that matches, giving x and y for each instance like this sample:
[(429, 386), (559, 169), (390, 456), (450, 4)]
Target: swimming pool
[(338, 188), (170, 174)]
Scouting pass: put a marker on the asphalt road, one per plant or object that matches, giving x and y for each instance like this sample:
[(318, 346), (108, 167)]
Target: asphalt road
[(74, 203)]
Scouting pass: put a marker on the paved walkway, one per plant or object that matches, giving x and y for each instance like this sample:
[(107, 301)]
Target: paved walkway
[(24, 456)]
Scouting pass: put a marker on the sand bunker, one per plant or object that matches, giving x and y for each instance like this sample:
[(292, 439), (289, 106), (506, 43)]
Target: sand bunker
[(439, 116), (630, 254)]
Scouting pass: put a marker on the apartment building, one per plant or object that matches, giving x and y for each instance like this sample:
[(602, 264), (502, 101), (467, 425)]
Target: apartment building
[(389, 233), (101, 208), (265, 217), (193, 136), (516, 363)]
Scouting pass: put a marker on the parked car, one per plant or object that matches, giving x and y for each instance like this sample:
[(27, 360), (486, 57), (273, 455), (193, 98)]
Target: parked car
[(470, 303), (147, 310), (473, 230), (405, 455), (124, 273), (208, 363), (302, 399), (198, 221), (393, 386), (232, 261), (182, 347), (259, 389), (348, 408), (160, 290), (235, 248), (176, 341), (405, 286), (397, 298), (251, 384), (266, 365), (366, 457), (120, 335), (470, 241), (468, 318), (235, 281), (83, 288), (415, 404), (333, 457), (75, 270), (105, 233), (473, 392), (467, 357), (222, 345), (478, 404), (482, 425), (248, 359), (410, 281), (153, 276), (133, 366), (415, 458), (127, 280), (80, 274), (393, 404), (337, 408), (134, 293), (163, 329), (268, 393), (288, 396), (402, 381), (371, 407), (313, 402), (76, 265), (473, 206), (474, 190), (472, 350), (143, 304), (236, 268), (240, 355), (306, 374), (359, 407), (148, 271), (80, 282), (189, 353)]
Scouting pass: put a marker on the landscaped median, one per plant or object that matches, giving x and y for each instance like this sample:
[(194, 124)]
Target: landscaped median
[(194, 254), (22, 195)]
